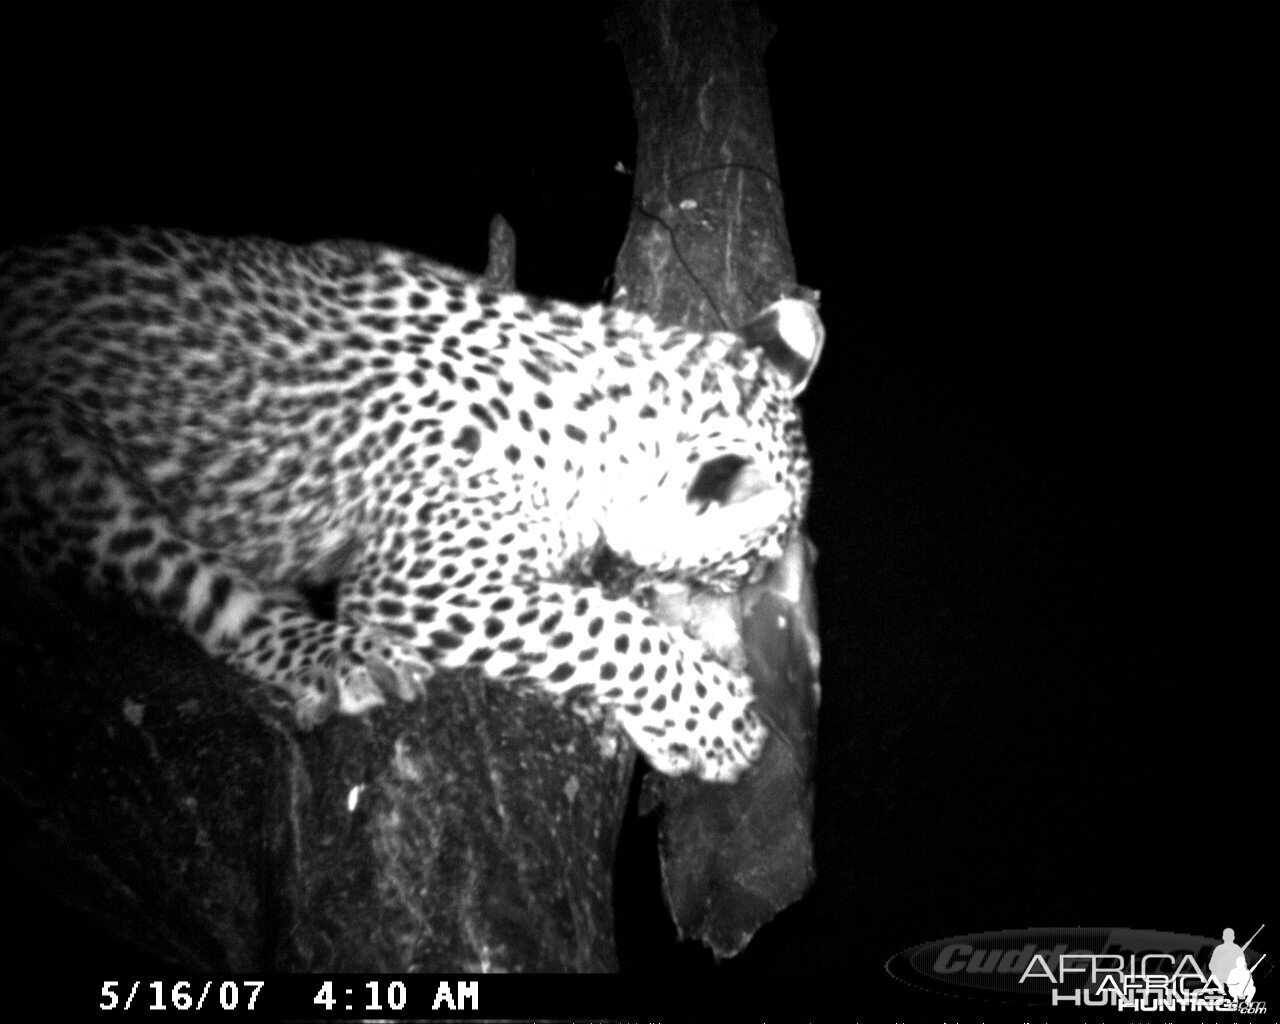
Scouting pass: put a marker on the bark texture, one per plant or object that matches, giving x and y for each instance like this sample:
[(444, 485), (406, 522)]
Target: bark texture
[(184, 820)]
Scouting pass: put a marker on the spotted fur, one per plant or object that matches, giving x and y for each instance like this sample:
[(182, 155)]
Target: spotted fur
[(208, 425)]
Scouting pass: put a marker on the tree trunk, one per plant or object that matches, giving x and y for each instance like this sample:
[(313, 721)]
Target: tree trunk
[(707, 247)]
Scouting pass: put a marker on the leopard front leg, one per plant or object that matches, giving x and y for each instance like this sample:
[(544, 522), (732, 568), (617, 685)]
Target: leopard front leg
[(67, 510), (686, 711)]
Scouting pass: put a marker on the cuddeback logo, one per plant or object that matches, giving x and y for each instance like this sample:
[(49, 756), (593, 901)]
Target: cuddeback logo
[(1121, 968)]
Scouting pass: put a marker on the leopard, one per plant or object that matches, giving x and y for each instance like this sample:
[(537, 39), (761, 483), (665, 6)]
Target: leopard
[(212, 427)]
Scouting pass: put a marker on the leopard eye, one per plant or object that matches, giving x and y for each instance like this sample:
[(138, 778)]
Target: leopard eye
[(715, 480)]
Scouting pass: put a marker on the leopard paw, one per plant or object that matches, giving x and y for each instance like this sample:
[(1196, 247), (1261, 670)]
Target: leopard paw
[(326, 666), (375, 665), (706, 726)]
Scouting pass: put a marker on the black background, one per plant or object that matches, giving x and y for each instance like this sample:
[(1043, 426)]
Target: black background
[(1035, 429)]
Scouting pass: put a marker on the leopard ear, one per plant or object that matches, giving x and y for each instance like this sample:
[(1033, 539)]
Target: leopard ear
[(790, 336)]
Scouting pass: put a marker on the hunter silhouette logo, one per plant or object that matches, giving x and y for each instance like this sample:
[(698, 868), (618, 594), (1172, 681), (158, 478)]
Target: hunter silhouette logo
[(1229, 968)]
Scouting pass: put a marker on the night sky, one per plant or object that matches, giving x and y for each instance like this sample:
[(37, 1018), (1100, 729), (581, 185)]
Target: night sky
[(1032, 428)]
